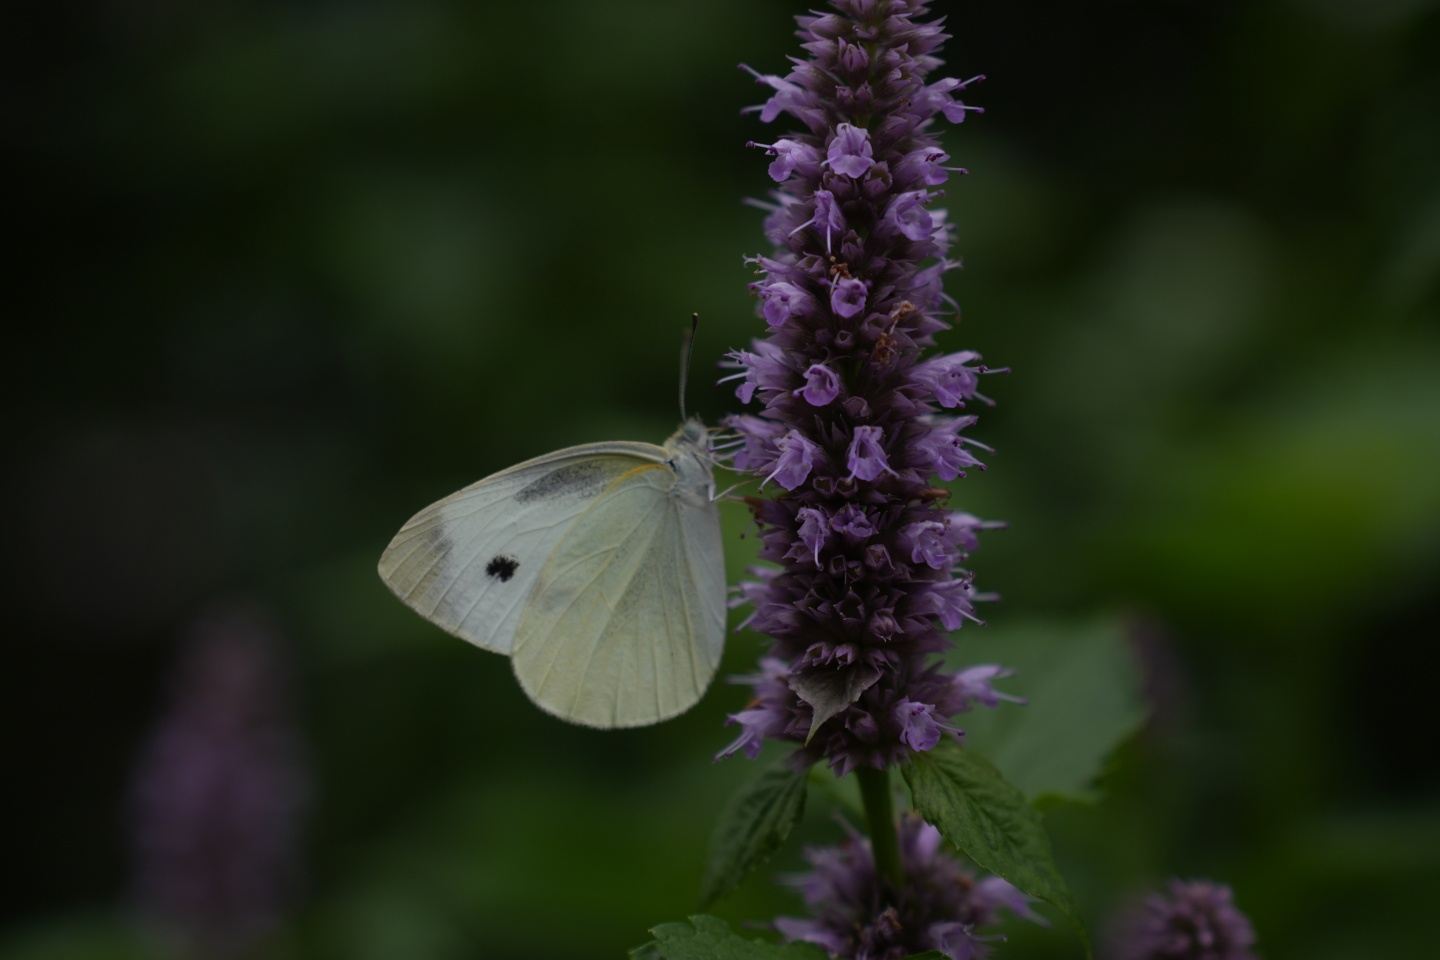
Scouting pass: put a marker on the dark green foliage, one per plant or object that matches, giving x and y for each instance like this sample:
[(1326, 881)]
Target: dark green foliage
[(990, 821), (706, 938), (753, 825), (1083, 687)]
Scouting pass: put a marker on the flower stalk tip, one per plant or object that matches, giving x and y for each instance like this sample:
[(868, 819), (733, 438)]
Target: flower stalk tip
[(856, 414)]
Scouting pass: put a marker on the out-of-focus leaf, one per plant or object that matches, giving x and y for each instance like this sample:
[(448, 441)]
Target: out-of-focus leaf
[(102, 936), (1084, 691)]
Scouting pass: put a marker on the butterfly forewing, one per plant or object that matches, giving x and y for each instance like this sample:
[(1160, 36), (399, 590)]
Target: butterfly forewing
[(626, 623), (469, 562)]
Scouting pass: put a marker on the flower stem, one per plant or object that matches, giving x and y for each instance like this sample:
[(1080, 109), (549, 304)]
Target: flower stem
[(880, 813)]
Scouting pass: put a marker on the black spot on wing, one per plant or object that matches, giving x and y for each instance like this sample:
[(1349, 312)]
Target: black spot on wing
[(582, 479), (501, 567)]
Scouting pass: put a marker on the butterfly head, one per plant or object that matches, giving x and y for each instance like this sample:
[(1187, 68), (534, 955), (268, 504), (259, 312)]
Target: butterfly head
[(689, 457), (693, 431)]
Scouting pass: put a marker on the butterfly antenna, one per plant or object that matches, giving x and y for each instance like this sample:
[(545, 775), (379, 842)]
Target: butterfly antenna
[(687, 353)]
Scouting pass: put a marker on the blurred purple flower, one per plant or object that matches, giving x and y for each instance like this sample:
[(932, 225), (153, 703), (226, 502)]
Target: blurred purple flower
[(852, 421), (218, 793), (943, 906), (1196, 921)]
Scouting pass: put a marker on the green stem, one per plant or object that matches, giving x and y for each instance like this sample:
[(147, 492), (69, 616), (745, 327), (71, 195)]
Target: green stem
[(880, 812)]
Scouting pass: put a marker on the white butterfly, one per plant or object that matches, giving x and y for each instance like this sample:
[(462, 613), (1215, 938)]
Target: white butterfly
[(598, 569)]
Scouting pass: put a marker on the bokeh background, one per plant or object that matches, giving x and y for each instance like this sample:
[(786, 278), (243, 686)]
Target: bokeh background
[(283, 273)]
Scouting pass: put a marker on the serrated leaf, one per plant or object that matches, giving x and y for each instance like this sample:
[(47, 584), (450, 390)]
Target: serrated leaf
[(992, 823), (830, 691), (708, 938), (752, 826), (1084, 692)]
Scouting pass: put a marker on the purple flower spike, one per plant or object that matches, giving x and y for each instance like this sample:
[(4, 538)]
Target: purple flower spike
[(941, 906), (850, 153), (1197, 921), (862, 562), (219, 792), (822, 385)]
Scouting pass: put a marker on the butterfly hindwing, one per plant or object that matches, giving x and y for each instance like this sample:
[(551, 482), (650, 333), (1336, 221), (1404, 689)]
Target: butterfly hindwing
[(626, 622), (469, 562)]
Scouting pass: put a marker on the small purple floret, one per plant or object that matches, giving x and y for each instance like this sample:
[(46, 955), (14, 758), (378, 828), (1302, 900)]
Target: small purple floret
[(952, 601), (948, 377), (907, 215), (850, 153), (975, 685), (919, 730), (827, 215), (927, 165), (782, 301), (789, 154), (814, 531), (746, 362), (797, 457), (928, 544), (822, 385), (847, 297), (866, 457), (852, 521)]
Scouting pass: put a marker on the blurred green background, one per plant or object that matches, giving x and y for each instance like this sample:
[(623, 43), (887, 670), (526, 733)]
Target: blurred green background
[(285, 273)]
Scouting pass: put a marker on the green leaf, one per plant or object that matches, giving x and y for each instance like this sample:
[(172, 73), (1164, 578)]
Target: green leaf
[(752, 826), (1084, 693), (967, 799), (706, 938), (828, 692)]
